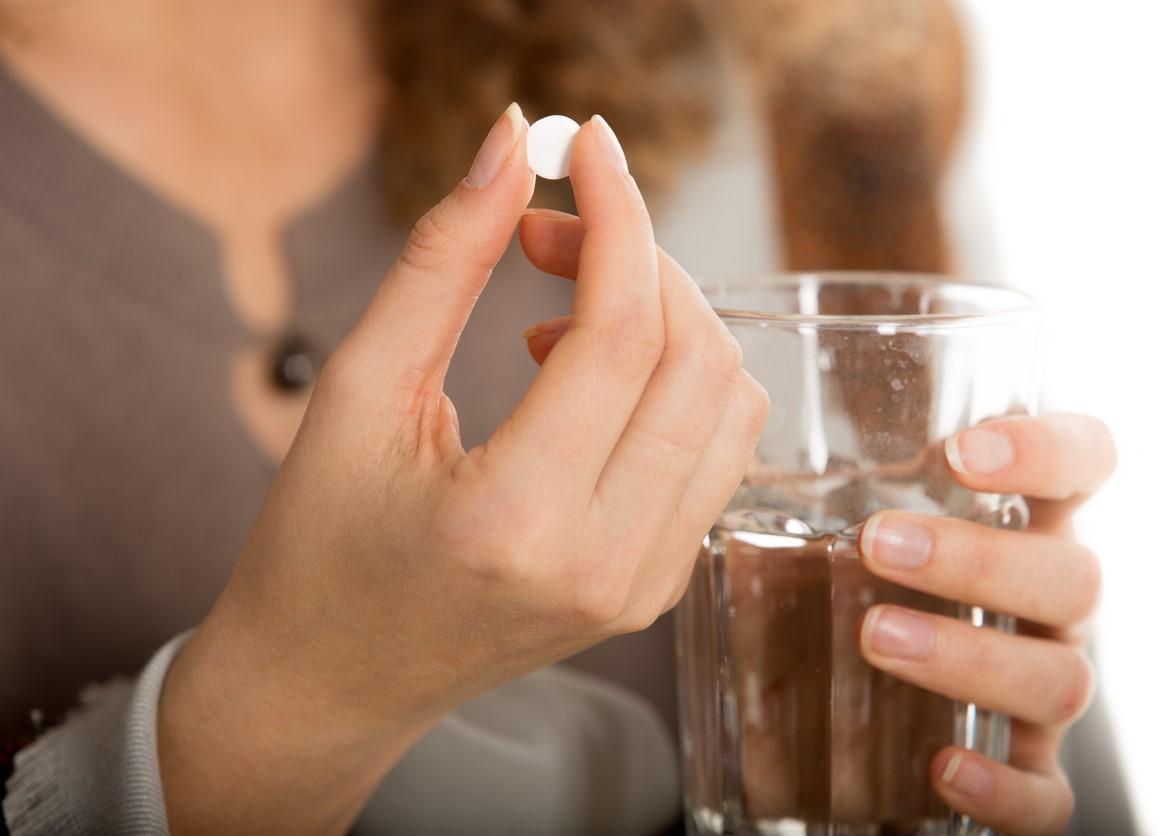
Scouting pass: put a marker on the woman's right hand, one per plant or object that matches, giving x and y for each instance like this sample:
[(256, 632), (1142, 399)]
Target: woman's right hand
[(393, 575)]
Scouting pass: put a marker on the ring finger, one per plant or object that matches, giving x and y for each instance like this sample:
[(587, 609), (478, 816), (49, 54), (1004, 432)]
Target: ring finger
[(1038, 681)]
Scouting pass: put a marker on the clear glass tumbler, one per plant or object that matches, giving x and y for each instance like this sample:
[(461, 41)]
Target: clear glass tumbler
[(785, 729)]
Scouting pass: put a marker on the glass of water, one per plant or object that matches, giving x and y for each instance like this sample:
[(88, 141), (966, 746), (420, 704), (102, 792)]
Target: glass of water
[(785, 729)]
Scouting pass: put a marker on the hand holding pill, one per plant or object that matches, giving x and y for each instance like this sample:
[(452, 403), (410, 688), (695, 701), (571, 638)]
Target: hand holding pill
[(392, 574)]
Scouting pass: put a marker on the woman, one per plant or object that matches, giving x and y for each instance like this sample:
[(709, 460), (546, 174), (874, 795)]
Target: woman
[(170, 222)]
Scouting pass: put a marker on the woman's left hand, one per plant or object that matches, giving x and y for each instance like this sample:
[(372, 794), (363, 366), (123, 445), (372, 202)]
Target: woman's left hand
[(1050, 582)]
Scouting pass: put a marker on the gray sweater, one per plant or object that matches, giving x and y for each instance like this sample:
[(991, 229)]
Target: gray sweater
[(127, 486)]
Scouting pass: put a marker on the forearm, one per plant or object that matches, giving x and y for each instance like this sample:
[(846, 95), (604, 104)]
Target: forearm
[(247, 743)]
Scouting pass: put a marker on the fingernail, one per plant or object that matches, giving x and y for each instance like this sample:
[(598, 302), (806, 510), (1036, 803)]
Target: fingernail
[(895, 632), (496, 148), (554, 326), (552, 214), (608, 143), (979, 452), (966, 776), (896, 542)]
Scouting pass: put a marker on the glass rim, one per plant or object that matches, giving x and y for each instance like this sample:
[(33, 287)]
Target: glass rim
[(997, 304)]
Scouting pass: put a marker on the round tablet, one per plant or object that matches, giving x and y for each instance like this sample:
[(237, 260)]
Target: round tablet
[(548, 146)]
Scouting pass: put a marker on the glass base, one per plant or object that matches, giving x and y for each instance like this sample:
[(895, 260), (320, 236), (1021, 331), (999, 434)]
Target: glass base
[(705, 822)]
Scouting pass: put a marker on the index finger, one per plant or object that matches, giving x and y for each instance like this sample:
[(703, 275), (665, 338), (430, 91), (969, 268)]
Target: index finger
[(1060, 456), (580, 402)]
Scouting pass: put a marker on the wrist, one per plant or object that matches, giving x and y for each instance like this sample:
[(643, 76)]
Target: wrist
[(243, 707)]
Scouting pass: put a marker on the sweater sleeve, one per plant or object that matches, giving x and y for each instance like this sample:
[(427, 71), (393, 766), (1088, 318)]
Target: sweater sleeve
[(97, 772), (555, 752)]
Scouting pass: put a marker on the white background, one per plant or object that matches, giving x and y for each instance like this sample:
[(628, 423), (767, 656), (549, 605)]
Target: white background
[(1067, 148)]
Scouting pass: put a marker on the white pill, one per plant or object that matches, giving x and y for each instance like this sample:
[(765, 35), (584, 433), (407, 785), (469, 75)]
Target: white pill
[(548, 146)]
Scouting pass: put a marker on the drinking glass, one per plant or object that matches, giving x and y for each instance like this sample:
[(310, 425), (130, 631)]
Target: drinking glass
[(785, 729)]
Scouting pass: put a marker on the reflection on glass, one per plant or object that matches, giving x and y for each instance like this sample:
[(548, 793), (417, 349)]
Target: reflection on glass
[(785, 728)]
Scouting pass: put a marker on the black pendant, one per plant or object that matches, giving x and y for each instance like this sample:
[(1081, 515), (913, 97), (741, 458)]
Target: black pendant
[(294, 363)]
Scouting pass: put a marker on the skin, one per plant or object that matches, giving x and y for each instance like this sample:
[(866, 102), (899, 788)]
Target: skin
[(241, 114), (393, 575)]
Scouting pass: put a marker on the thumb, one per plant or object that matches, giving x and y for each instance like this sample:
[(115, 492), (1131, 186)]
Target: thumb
[(411, 327)]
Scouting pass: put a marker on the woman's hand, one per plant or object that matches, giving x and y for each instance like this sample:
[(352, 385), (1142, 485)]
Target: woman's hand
[(1043, 576), (393, 575)]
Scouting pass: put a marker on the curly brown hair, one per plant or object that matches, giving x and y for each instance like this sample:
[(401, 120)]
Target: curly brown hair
[(862, 101), (452, 67), (865, 102)]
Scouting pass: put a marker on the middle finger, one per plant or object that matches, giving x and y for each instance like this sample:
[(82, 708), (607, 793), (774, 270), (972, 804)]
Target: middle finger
[(1036, 680), (563, 430), (699, 376)]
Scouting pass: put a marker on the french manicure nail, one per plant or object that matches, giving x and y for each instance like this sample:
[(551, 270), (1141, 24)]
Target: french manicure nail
[(896, 542), (496, 148), (979, 452), (894, 632), (551, 214), (966, 775), (552, 326), (608, 143)]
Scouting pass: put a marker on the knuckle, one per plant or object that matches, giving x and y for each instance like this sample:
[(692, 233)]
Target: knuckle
[(477, 524), (1064, 803), (670, 595), (1103, 439), (626, 222), (634, 336), (1039, 453), (499, 559), (1078, 691), (598, 604), (480, 555), (707, 355), (678, 592), (979, 654), (735, 355), (430, 241), (975, 566), (640, 617), (1044, 457), (499, 564), (1072, 446), (346, 377), (1091, 585), (756, 404), (723, 354)]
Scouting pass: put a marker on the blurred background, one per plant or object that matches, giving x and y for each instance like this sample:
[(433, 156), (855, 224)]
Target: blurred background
[(1017, 143), (1066, 146), (1041, 127)]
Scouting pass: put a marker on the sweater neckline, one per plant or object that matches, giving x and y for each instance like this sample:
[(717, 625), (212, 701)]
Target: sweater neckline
[(146, 245)]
